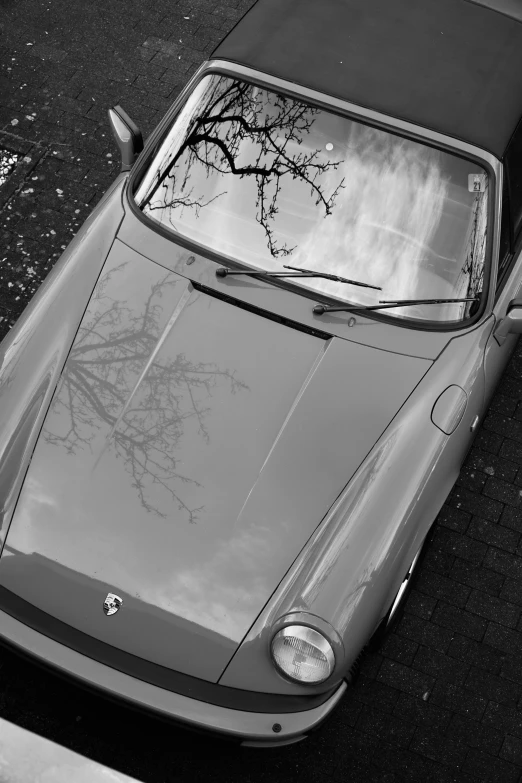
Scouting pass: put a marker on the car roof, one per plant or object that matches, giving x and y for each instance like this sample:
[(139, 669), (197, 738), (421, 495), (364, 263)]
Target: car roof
[(454, 66)]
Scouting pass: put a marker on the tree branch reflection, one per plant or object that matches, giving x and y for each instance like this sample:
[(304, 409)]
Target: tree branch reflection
[(243, 131), (103, 368)]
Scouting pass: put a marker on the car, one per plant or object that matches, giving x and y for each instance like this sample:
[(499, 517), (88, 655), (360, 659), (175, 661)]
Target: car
[(233, 411)]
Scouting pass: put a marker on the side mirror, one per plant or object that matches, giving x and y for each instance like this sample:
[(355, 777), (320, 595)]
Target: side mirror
[(127, 135), (511, 323)]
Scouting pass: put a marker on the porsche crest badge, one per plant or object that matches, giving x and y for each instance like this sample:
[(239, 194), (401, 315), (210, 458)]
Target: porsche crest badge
[(112, 603)]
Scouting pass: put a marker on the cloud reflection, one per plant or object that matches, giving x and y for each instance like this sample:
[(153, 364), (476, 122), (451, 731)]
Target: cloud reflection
[(385, 217), (221, 593)]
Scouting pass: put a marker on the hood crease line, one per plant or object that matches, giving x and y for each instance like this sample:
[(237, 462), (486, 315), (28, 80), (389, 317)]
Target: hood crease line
[(187, 293), (293, 406)]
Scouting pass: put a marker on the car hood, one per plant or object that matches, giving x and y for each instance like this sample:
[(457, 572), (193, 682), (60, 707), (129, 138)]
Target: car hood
[(191, 448)]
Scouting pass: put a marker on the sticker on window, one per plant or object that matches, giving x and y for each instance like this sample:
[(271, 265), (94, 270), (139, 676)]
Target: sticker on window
[(476, 183)]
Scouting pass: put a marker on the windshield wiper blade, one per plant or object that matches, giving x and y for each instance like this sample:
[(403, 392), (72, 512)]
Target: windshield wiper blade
[(386, 304), (224, 272), (335, 278)]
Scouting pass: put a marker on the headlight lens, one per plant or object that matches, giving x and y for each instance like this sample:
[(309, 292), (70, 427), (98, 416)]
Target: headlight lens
[(303, 654)]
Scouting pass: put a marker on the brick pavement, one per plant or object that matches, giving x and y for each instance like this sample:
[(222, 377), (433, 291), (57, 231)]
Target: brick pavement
[(441, 700)]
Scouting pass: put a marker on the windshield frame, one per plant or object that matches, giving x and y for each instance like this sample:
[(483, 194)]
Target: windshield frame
[(361, 114)]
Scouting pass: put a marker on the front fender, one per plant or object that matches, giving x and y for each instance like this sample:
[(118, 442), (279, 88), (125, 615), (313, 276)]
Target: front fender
[(32, 355), (349, 571)]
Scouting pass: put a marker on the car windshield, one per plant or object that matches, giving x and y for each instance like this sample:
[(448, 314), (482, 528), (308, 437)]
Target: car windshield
[(269, 180)]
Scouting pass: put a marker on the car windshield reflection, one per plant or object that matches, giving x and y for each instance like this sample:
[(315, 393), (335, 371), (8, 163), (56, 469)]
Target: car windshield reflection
[(267, 179)]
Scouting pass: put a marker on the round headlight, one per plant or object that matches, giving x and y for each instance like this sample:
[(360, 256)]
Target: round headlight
[(303, 654)]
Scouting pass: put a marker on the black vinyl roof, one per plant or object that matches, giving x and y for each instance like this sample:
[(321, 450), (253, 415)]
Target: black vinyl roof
[(454, 66)]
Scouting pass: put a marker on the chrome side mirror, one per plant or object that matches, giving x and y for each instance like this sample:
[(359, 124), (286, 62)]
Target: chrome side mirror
[(127, 135), (511, 323)]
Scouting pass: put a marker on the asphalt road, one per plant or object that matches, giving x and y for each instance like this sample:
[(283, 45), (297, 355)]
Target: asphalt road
[(441, 701)]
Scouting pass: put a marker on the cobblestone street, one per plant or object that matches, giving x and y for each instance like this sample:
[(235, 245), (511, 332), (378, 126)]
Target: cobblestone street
[(441, 700)]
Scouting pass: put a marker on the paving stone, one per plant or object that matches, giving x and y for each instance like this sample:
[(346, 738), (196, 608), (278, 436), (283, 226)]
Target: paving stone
[(48, 53), (474, 734), (503, 638), (485, 767), (438, 586), (409, 766), (512, 750), (504, 426), (514, 368), (460, 621), (385, 726), (504, 719), (442, 774), (160, 45), (503, 404), (438, 560), (494, 688), (458, 699), (472, 479), (509, 387), (503, 562), (493, 608), (503, 491), (423, 632), (444, 667), (360, 767), (478, 577), (403, 678), (466, 500), (175, 78), (420, 605), (142, 68), (494, 534), (347, 712), (489, 441), (439, 747), (511, 450), (356, 745), (71, 105), (461, 546), (154, 85), (512, 668), (370, 691), (422, 713), (361, 770), (398, 648), (512, 517), (512, 591), (454, 518), (477, 654)]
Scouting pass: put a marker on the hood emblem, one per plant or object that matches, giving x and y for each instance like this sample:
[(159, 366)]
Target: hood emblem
[(112, 603)]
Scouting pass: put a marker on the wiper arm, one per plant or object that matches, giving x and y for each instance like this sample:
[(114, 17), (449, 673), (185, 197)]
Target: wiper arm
[(224, 272), (386, 304)]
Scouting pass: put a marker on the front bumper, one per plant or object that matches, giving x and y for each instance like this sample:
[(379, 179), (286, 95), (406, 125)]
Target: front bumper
[(252, 728)]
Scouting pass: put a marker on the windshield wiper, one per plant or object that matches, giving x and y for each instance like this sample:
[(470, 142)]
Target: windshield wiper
[(224, 272), (386, 304)]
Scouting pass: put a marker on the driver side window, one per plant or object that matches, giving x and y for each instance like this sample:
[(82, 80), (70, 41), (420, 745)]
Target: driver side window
[(513, 165), (511, 224)]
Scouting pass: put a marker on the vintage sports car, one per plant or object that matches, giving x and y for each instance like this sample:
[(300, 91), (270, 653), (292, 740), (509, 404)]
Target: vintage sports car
[(233, 411)]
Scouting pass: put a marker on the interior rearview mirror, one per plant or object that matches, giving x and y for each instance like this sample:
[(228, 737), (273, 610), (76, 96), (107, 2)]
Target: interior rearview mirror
[(511, 323), (127, 135)]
